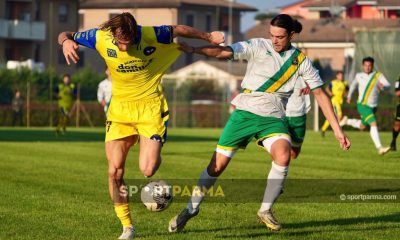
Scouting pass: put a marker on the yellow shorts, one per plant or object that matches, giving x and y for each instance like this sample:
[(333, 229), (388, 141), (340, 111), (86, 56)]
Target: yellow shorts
[(148, 118)]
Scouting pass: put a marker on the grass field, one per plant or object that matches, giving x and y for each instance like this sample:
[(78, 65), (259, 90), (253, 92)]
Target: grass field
[(56, 188)]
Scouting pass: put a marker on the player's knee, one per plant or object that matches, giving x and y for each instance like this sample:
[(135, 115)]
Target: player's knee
[(148, 172), (116, 173), (215, 171)]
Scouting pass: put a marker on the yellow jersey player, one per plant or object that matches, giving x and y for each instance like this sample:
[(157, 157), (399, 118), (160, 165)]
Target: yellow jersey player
[(137, 57), (65, 94), (337, 90)]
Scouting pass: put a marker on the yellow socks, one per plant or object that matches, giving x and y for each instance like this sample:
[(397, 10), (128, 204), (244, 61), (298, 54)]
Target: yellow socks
[(325, 126), (123, 214)]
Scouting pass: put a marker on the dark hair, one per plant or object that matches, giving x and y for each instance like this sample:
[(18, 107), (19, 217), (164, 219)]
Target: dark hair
[(287, 22), (368, 59), (125, 22), (339, 72), (67, 75)]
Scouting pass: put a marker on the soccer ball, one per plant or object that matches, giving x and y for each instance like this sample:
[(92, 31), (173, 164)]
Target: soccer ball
[(156, 196)]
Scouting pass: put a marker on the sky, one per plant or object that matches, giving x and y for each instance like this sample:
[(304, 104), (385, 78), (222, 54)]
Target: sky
[(262, 5)]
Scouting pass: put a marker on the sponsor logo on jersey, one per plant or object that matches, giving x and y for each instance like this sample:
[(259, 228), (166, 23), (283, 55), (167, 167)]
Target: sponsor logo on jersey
[(149, 50), (124, 68), (111, 53)]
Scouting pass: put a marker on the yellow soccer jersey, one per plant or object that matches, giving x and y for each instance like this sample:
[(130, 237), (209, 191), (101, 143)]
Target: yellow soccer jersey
[(338, 89), (136, 73)]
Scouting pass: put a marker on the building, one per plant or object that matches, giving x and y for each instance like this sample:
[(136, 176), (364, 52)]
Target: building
[(29, 30), (206, 15), (347, 9)]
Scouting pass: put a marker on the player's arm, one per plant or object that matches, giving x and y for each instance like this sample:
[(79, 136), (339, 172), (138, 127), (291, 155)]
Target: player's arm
[(66, 40), (383, 83), (215, 37), (353, 87), (327, 109), (311, 77), (209, 51), (70, 40)]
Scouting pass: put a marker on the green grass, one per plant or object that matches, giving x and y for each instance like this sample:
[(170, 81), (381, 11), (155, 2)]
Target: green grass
[(56, 188)]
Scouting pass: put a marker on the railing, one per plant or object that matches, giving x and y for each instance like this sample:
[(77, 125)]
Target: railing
[(19, 29)]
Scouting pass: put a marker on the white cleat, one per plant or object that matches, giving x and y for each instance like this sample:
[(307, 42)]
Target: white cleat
[(178, 223), (343, 121), (127, 233), (383, 150)]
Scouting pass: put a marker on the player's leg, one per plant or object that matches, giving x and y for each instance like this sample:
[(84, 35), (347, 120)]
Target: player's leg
[(357, 123), (396, 129), (236, 134), (279, 147), (149, 156), (60, 119), (374, 133), (297, 131), (119, 138), (117, 151), (206, 180)]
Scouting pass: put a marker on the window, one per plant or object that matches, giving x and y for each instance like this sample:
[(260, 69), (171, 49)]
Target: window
[(37, 11), (208, 23), (37, 53), (190, 20), (63, 12)]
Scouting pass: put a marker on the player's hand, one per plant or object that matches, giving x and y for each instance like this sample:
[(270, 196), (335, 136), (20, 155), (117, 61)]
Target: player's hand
[(216, 37), (69, 49), (305, 91), (381, 86), (103, 103), (348, 100), (184, 47), (343, 140)]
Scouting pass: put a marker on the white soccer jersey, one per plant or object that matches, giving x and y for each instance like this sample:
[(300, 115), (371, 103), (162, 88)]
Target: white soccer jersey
[(368, 87), (263, 72), (298, 104), (104, 91)]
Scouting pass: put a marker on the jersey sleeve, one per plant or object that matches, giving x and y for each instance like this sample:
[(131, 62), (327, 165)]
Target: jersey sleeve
[(87, 38), (382, 80), (164, 34), (243, 50), (310, 74)]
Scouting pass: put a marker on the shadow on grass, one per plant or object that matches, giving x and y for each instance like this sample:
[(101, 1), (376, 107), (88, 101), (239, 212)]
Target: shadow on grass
[(48, 135), (295, 229), (76, 135)]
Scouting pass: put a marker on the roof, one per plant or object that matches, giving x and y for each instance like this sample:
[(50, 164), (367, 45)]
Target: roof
[(100, 4), (324, 30), (345, 3)]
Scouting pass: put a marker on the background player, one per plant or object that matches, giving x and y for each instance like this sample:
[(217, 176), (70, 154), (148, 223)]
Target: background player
[(65, 93), (104, 92), (337, 90), (396, 125), (368, 83)]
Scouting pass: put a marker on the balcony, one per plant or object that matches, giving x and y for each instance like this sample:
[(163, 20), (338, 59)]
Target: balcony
[(22, 30)]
